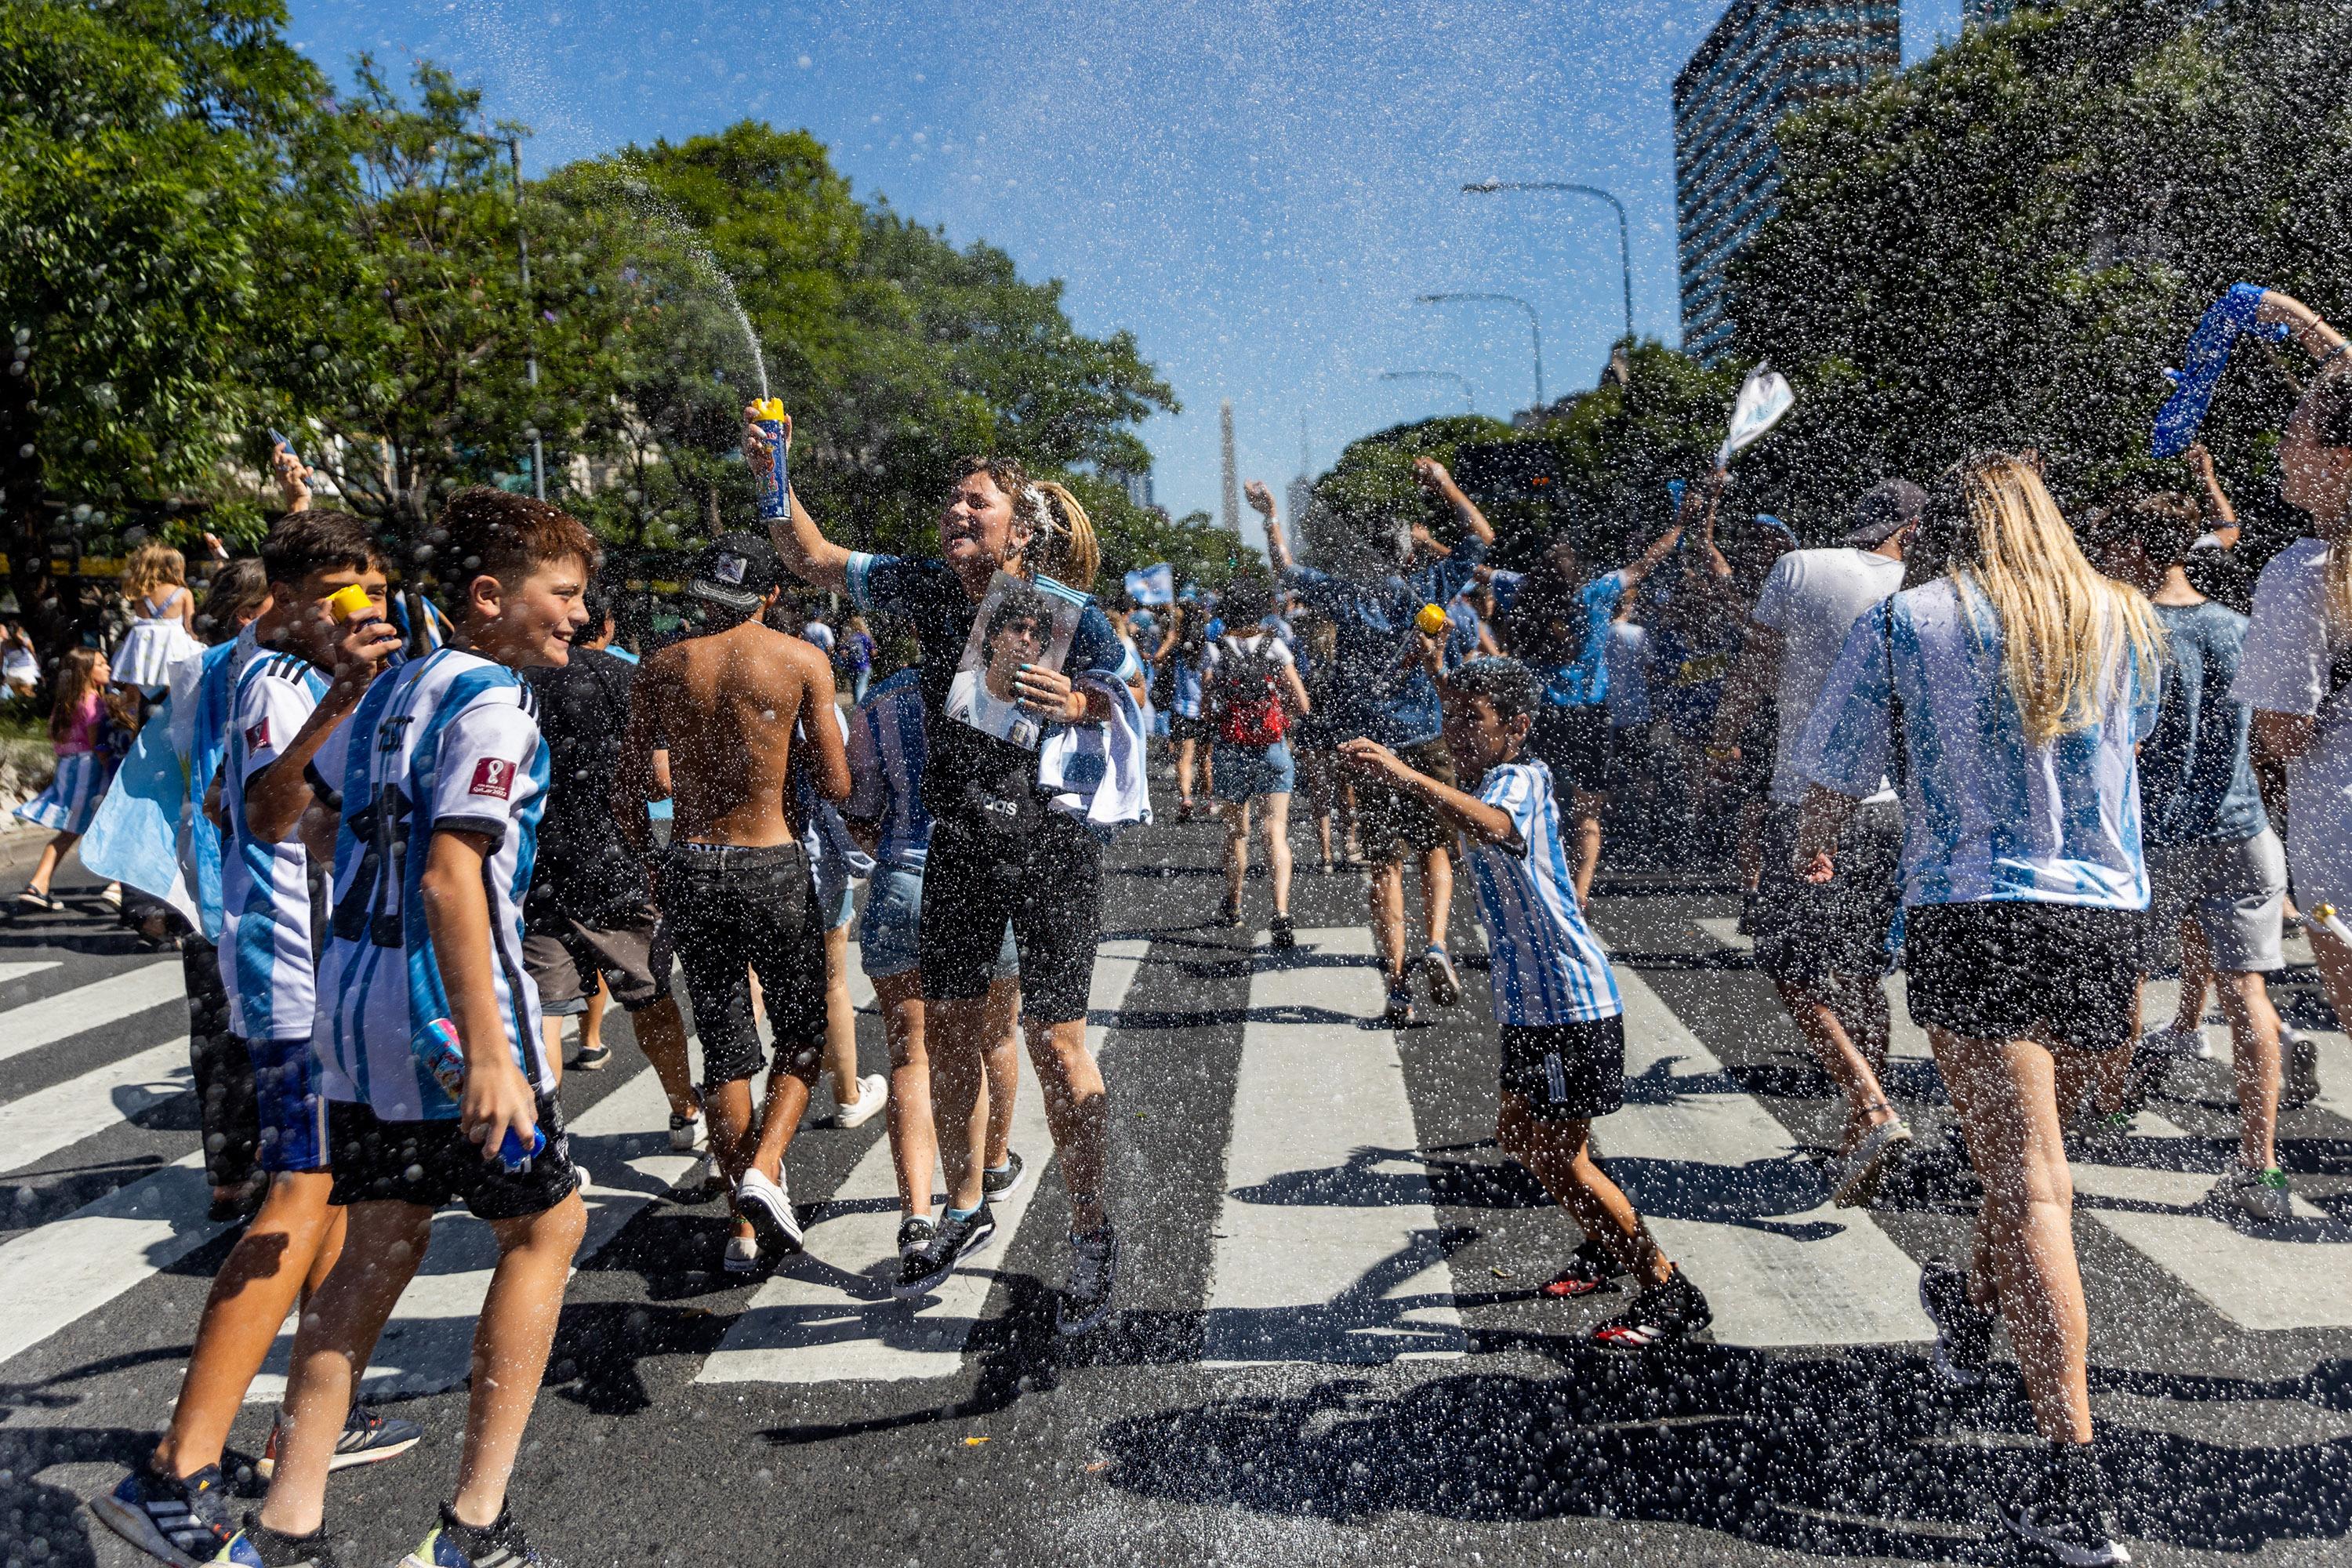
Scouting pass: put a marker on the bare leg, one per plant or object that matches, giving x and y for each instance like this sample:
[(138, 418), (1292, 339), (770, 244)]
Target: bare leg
[(1186, 751), (1558, 1154), (551, 1031), (383, 1243), (913, 1144), (591, 1022), (1586, 806), (1437, 891), (1825, 1032), (1002, 1066), (1274, 823), (2007, 1094), (1237, 823), (2196, 974), (53, 855), (958, 1034), (840, 1018), (510, 1345), (1388, 920), (661, 1034), (293, 1242), (1078, 1109), (2254, 1060), (792, 1078)]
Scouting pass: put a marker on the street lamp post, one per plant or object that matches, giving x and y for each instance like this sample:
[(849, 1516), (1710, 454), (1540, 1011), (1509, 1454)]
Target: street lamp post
[(1624, 240), (1469, 401), (531, 352), (1535, 326)]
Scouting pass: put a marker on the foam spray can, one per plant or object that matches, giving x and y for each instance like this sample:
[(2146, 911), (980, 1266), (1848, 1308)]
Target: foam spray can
[(436, 1044), (776, 499)]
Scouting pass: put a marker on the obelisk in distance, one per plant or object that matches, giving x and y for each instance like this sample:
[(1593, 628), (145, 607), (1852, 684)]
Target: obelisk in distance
[(1231, 518)]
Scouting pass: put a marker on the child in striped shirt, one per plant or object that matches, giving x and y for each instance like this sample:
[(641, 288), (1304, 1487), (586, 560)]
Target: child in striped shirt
[(1556, 1003)]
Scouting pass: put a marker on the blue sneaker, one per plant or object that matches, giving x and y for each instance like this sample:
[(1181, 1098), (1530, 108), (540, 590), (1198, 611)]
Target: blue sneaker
[(368, 1438), (452, 1544), (259, 1546), (173, 1520)]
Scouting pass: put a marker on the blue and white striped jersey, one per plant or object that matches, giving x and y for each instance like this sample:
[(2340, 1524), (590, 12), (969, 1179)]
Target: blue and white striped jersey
[(268, 962), (447, 742), (887, 748), (1985, 818), (1547, 966)]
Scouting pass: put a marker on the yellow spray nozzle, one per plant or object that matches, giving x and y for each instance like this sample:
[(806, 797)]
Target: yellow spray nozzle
[(349, 601), (770, 409), (1430, 619)]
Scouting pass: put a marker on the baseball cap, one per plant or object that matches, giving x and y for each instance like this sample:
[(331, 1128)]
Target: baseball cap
[(736, 570), (1887, 505)]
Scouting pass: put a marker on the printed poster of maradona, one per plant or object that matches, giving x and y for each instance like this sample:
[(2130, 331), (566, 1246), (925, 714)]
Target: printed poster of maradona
[(1017, 625)]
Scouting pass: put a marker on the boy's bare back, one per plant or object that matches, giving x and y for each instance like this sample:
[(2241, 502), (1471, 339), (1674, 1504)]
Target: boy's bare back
[(726, 705)]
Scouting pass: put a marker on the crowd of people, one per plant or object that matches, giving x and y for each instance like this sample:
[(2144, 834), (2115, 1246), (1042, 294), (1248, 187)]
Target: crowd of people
[(2034, 761)]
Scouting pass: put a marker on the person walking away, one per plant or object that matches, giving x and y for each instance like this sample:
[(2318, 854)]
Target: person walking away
[(1823, 945), (2006, 696), (77, 718), (1188, 723), (734, 885), (443, 779), (837, 863), (2217, 873), (857, 656), (155, 588), (1555, 999), (2296, 667), (1314, 747), (1254, 693), (173, 1506), (1003, 848), (1631, 764), (1385, 692), (589, 919)]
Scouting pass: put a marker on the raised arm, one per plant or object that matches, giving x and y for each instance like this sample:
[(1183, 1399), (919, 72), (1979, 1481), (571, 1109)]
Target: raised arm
[(1652, 558), (1457, 808), (2320, 341), (1433, 477), (1278, 548), (807, 553), (1699, 503), (2216, 500)]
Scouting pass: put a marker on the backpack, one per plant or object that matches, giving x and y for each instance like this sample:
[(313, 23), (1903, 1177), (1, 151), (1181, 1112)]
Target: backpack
[(1249, 695)]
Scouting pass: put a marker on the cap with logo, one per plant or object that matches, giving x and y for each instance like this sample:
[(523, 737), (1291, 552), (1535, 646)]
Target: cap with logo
[(736, 570)]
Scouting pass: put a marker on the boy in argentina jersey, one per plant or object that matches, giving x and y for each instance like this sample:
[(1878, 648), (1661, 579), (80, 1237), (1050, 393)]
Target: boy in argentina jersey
[(1554, 1000), (173, 1507), (442, 777)]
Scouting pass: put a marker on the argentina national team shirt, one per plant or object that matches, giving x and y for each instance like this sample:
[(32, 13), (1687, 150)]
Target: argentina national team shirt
[(1547, 966), (267, 957), (448, 741), (887, 748)]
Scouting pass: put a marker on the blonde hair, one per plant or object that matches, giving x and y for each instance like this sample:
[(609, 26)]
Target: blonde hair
[(2062, 625), (1064, 546), (151, 566)]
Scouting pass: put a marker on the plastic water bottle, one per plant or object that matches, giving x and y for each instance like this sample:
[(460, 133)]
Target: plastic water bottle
[(436, 1043), (776, 500)]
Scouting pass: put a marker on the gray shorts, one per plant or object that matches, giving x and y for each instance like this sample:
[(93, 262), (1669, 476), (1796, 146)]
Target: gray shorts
[(2236, 891)]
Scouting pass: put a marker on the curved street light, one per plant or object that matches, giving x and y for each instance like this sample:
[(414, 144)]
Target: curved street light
[(1535, 326), (1624, 243), (1468, 399)]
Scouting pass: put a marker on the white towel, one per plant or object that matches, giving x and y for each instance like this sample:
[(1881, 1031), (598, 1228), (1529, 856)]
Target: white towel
[(1095, 773)]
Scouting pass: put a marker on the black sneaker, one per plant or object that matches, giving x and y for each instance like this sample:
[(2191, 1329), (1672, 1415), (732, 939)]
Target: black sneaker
[(922, 1272), (1589, 1271), (915, 1233), (1284, 936), (1001, 1181), (1398, 1014), (259, 1546), (2066, 1519), (1963, 1330), (1094, 1278), (170, 1518), (592, 1059), (1229, 913), (1662, 1314), (452, 1544)]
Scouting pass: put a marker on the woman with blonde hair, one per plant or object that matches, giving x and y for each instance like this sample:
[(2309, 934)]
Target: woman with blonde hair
[(2005, 697), (156, 585)]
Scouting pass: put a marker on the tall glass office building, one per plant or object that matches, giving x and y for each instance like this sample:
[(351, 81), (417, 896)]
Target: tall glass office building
[(1765, 58)]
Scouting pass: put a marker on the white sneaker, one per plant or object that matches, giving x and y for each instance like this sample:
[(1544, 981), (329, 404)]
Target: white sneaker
[(2181, 1045), (742, 1255), (2299, 1065), (873, 1094), (1854, 1177), (2262, 1196), (769, 1207), (689, 1134)]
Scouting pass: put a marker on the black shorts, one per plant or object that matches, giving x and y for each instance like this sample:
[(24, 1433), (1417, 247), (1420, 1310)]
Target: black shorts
[(1046, 880), (729, 912), (1804, 932), (1566, 1072), (1392, 824), (429, 1163), (1573, 743), (2015, 971), (1183, 728), (623, 944)]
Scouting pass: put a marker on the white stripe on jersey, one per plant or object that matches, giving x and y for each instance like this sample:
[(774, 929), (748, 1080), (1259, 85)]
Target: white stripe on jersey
[(886, 750), (1547, 968), (450, 740), (268, 960)]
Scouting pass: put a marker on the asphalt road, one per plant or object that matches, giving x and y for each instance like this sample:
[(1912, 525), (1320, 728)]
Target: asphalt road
[(1330, 1347)]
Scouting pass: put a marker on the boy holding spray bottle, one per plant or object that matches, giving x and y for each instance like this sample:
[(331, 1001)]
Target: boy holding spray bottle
[(442, 777)]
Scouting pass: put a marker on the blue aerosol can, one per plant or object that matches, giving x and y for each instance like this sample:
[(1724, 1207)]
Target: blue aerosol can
[(436, 1043), (776, 499)]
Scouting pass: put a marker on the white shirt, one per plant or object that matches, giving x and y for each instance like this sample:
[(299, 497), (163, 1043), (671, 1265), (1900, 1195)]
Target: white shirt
[(1813, 599), (2283, 669), (1629, 675), (268, 960), (820, 634), (971, 701)]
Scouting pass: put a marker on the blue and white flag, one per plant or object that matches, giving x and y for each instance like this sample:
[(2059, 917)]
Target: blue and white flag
[(135, 837), (2208, 355), (1153, 585)]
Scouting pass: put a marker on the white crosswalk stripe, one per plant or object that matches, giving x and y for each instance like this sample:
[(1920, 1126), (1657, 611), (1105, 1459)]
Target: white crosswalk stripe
[(93, 1007), (36, 1126)]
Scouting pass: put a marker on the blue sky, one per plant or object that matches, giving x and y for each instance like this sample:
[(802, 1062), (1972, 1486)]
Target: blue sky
[(1256, 189)]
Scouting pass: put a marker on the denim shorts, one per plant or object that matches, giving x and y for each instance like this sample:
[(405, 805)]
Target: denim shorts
[(890, 934), (1245, 773)]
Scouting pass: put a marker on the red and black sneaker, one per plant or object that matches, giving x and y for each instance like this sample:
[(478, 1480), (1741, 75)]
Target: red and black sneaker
[(1664, 1313), (1589, 1271)]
